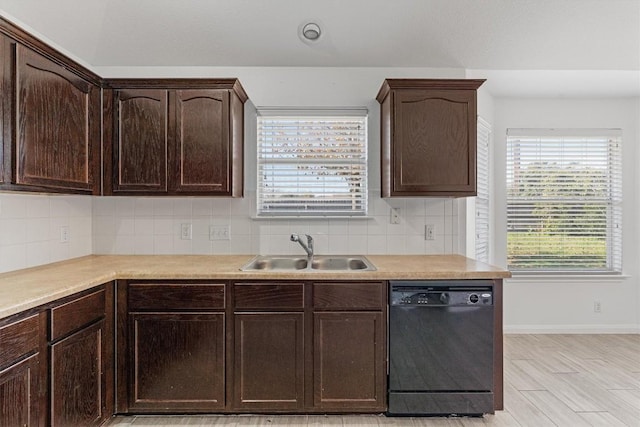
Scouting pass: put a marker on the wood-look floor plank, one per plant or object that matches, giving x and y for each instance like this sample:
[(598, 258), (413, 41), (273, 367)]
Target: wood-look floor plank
[(555, 409), (499, 419), (324, 420), (518, 378), (523, 411), (601, 419)]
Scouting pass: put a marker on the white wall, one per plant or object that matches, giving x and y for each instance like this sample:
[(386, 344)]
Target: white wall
[(567, 304), (30, 229)]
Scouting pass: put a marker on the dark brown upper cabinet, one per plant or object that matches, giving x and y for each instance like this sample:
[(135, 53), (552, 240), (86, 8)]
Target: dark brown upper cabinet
[(179, 137), (50, 118), (428, 137)]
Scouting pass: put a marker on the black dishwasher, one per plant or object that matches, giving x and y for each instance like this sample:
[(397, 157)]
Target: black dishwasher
[(441, 347)]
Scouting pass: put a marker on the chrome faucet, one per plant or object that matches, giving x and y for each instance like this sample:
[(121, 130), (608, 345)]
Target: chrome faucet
[(308, 247)]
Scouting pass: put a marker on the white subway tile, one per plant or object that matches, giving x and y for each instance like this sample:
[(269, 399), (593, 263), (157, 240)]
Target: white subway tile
[(221, 207), (125, 206), (144, 245), (104, 206), (143, 226), (125, 245), (37, 253), (202, 207), (14, 206), (162, 207), (201, 245), (163, 226), (13, 257), (143, 207), (163, 244), (13, 231), (220, 247), (38, 207), (377, 245), (37, 230), (182, 206)]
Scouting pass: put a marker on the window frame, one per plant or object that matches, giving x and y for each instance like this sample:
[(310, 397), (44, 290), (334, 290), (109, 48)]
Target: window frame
[(610, 202), (316, 209)]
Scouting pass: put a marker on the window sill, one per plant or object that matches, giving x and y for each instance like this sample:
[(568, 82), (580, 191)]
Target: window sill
[(310, 218), (567, 278)]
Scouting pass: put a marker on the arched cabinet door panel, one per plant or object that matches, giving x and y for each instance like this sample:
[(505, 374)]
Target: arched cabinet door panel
[(202, 161), (57, 125), (140, 140)]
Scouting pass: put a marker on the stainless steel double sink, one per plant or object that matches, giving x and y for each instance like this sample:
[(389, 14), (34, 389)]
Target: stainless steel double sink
[(318, 263)]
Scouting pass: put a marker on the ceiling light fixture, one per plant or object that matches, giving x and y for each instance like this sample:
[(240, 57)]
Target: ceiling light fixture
[(311, 31)]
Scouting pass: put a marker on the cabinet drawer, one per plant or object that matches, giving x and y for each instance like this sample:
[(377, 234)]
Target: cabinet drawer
[(77, 313), (349, 296), (176, 296), (269, 295), (18, 339)]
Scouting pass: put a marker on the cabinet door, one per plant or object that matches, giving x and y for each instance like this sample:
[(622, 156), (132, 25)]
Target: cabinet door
[(202, 142), (77, 378), (23, 371), (140, 141), (434, 150), (19, 393), (349, 354), (58, 126), (176, 362), (269, 359)]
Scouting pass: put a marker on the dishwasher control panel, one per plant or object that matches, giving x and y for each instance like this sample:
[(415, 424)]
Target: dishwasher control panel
[(433, 295)]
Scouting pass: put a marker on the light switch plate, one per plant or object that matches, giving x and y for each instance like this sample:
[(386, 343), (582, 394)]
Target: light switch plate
[(64, 234), (395, 216), (219, 232), (186, 232)]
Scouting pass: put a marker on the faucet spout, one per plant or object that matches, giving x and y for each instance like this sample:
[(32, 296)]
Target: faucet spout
[(308, 247)]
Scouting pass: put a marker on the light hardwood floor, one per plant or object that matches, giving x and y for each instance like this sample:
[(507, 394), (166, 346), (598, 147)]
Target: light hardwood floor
[(550, 380)]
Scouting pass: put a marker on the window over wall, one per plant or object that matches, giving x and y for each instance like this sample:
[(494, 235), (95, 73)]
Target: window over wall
[(312, 163), (564, 200), (482, 198)]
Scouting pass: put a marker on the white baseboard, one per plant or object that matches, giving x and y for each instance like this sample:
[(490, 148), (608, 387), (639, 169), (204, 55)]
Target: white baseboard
[(572, 329)]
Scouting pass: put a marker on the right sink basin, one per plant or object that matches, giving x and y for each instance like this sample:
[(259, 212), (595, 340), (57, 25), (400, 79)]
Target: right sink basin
[(342, 263)]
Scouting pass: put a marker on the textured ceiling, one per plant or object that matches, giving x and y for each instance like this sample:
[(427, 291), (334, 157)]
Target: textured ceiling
[(470, 34)]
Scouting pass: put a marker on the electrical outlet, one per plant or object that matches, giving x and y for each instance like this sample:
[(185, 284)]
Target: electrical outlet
[(395, 216), (597, 307), (64, 234), (429, 232), (186, 231), (219, 232)]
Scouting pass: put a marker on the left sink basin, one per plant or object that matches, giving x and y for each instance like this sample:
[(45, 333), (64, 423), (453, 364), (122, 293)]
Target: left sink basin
[(275, 263)]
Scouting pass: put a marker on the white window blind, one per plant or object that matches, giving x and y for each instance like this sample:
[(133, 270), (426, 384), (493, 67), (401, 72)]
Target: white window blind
[(482, 197), (564, 200), (312, 163)]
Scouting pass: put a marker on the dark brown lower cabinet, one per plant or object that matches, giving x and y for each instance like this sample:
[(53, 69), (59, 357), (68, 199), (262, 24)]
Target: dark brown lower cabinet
[(76, 378), (348, 361), (81, 358), (19, 402), (23, 372), (269, 361), (176, 362)]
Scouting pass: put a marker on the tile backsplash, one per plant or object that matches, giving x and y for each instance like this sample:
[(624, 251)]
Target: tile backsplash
[(148, 225), (30, 228)]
